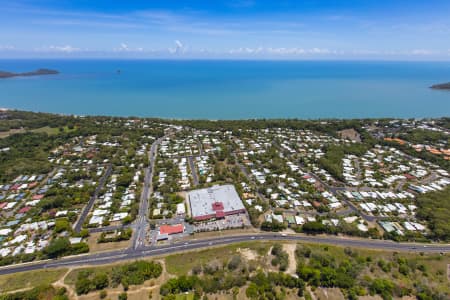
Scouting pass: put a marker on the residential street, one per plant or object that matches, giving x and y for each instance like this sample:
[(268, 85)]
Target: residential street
[(141, 223), (88, 207)]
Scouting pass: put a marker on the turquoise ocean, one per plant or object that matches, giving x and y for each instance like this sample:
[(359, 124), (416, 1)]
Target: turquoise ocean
[(221, 89)]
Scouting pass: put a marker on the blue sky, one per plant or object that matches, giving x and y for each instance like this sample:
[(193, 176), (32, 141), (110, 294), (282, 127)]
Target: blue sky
[(283, 29)]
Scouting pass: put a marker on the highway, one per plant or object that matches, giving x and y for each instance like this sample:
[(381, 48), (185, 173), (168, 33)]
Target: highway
[(150, 251)]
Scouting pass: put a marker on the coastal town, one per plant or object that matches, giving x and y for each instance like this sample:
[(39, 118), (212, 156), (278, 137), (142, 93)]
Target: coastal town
[(110, 188), (225, 150), (94, 190)]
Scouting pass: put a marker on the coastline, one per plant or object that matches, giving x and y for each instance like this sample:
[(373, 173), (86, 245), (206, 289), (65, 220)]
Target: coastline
[(256, 119), (441, 86), (38, 72)]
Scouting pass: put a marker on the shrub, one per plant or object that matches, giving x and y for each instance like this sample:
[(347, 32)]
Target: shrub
[(123, 296)]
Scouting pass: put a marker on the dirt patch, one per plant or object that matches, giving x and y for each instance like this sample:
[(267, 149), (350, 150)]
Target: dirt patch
[(60, 283), (448, 272), (4, 134), (350, 134), (248, 254), (313, 296), (267, 263), (329, 294), (136, 293), (223, 296), (290, 249), (375, 297)]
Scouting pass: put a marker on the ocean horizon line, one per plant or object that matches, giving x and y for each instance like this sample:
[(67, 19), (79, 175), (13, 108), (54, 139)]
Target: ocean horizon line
[(237, 59)]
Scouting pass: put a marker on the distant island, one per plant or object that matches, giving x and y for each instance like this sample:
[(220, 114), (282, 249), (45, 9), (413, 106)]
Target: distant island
[(38, 72), (442, 86)]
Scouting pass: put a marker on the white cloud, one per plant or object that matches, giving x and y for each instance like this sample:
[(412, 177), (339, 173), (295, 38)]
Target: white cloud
[(283, 51), (422, 52), (56, 48), (179, 48), (124, 47), (179, 44), (6, 48), (320, 51)]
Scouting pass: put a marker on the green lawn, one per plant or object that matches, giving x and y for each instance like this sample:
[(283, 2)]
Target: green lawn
[(181, 264), (51, 130), (46, 129), (4, 134), (184, 297), (29, 279)]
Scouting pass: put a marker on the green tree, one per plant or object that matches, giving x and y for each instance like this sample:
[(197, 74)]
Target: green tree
[(100, 281), (62, 225), (57, 247), (83, 286)]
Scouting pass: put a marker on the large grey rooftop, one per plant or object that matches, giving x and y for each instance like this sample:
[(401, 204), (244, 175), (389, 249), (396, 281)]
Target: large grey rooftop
[(201, 201)]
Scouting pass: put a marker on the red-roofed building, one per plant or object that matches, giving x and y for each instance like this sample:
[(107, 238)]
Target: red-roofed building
[(216, 206), (32, 185), (316, 204), (38, 197), (3, 204), (220, 214), (24, 209), (409, 176), (171, 229)]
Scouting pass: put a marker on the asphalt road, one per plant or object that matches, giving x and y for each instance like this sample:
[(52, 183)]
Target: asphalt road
[(149, 251), (193, 170), (141, 224), (88, 207)]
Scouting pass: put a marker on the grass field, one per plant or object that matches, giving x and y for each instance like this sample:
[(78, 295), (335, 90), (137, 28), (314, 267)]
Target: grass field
[(184, 297), (30, 279), (94, 246), (51, 131), (46, 129), (181, 264), (4, 134)]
